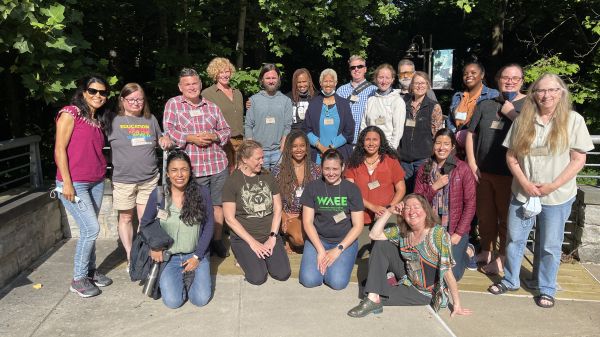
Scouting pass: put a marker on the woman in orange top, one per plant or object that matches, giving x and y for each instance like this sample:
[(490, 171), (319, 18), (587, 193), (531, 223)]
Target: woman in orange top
[(375, 169)]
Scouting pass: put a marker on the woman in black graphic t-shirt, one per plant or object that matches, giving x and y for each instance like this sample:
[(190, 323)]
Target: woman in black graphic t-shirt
[(252, 208)]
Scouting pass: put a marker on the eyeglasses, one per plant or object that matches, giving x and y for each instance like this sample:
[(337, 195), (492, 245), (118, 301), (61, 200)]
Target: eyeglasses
[(419, 84), (511, 78), (360, 66), (407, 73), (542, 92), (134, 100), (93, 92)]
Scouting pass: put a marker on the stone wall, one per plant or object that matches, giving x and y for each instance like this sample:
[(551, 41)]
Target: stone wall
[(29, 227), (107, 218), (589, 251)]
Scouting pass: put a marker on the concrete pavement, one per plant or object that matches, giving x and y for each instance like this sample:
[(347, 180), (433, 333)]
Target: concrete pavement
[(273, 309)]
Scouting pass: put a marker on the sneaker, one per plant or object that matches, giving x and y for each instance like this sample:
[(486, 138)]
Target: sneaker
[(218, 248), (99, 280), (366, 307), (84, 288), (472, 265)]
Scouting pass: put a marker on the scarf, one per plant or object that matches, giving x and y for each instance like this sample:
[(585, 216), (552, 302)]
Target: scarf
[(442, 197)]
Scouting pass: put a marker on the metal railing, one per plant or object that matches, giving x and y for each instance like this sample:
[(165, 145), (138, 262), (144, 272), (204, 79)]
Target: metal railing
[(35, 166), (596, 141)]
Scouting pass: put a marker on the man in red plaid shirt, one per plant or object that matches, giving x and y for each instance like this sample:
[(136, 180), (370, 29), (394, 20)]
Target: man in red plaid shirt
[(197, 125)]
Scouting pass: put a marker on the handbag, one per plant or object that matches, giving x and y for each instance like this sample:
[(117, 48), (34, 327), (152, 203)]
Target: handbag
[(293, 229)]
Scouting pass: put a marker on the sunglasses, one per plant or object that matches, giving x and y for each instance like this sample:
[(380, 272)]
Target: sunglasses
[(93, 92), (360, 66)]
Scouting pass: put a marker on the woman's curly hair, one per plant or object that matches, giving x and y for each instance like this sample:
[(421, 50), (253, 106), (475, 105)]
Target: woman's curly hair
[(287, 175), (194, 209), (358, 155)]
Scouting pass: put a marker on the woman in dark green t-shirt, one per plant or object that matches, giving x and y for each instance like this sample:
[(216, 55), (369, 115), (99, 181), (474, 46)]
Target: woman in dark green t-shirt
[(252, 208)]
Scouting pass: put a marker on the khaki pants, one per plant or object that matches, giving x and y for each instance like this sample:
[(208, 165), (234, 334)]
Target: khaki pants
[(493, 197)]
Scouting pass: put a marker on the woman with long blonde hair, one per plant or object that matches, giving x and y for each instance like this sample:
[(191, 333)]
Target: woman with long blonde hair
[(547, 147)]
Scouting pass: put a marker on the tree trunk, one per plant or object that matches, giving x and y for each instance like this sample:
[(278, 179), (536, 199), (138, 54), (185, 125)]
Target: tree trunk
[(498, 35), (186, 42), (239, 48)]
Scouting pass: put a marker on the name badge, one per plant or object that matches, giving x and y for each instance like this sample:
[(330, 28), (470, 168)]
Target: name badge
[(299, 191), (259, 207), (411, 123), (353, 98), (162, 214), (328, 121), (139, 141), (195, 112), (339, 217), (460, 116), (498, 125), (270, 120), (539, 151), (380, 120), (373, 184)]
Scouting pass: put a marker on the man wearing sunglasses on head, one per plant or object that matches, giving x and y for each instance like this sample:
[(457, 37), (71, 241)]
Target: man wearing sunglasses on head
[(198, 126), (357, 91), (406, 70)]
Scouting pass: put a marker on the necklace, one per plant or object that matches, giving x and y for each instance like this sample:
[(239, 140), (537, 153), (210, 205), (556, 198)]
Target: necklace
[(373, 163)]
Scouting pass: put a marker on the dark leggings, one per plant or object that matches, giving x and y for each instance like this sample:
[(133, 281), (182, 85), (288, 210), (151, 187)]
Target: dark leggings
[(385, 257), (255, 269)]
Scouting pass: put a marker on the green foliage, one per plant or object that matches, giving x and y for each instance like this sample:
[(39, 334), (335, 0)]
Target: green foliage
[(246, 81), (330, 25), (34, 40), (588, 171), (580, 91)]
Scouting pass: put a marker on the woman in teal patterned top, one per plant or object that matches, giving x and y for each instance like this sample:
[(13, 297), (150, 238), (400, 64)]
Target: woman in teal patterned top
[(417, 251)]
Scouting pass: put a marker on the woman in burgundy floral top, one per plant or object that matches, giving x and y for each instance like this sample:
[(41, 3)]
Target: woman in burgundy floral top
[(80, 176)]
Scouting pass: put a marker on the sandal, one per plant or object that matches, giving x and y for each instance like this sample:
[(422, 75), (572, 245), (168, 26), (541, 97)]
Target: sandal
[(543, 297), (499, 288)]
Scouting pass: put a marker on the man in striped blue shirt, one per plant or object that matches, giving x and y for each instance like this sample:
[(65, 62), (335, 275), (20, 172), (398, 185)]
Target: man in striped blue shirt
[(357, 91)]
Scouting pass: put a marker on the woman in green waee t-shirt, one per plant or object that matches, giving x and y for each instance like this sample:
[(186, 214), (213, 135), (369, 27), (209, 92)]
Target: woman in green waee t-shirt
[(332, 216)]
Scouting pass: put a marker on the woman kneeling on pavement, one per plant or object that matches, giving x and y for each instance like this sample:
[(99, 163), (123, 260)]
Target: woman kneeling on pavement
[(252, 207), (294, 172), (186, 216), (332, 216), (418, 252)]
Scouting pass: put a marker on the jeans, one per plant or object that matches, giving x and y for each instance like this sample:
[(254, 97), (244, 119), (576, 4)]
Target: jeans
[(410, 173), (172, 289), (85, 213), (337, 276), (271, 158), (459, 253), (551, 224)]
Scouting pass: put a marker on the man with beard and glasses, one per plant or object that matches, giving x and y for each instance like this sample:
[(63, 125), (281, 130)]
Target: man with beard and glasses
[(269, 117), (406, 70)]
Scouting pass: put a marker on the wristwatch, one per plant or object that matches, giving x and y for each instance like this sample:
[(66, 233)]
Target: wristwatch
[(196, 257), (340, 247), (273, 234)]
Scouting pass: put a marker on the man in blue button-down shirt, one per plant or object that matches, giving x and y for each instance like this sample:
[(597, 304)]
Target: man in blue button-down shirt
[(357, 91)]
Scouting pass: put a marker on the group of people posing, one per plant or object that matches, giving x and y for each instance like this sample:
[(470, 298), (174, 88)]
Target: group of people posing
[(314, 167)]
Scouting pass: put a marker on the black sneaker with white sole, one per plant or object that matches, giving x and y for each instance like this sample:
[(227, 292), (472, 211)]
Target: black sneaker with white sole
[(99, 279), (84, 288)]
